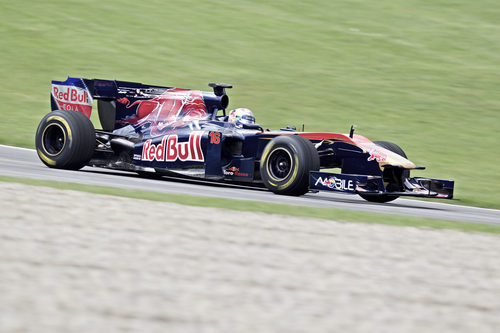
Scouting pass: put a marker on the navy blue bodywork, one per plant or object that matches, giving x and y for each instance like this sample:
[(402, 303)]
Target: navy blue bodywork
[(166, 129)]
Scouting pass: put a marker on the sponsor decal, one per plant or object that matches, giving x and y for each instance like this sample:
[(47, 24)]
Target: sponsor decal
[(69, 97), (336, 183), (234, 171), (377, 155), (171, 150), (173, 108)]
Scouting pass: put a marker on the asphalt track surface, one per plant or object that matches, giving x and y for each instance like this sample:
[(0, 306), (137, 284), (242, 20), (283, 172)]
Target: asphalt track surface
[(21, 162)]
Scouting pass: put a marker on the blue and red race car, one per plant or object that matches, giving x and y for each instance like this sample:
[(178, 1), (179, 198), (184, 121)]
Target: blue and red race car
[(181, 131)]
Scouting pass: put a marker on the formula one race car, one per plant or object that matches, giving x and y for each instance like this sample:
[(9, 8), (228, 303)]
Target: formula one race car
[(181, 131)]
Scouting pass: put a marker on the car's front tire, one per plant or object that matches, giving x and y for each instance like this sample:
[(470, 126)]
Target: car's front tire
[(286, 162), (65, 140)]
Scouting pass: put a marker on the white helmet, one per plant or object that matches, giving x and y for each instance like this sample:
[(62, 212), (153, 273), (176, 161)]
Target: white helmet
[(241, 116)]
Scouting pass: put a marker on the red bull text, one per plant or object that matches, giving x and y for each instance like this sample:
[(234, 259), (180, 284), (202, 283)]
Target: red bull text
[(171, 150)]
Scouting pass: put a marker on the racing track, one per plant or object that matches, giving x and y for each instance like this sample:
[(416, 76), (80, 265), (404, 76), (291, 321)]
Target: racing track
[(21, 162)]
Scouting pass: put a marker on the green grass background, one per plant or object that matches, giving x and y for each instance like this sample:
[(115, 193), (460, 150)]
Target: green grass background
[(423, 74)]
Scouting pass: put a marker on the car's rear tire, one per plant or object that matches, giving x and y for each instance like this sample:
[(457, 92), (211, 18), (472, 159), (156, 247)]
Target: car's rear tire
[(65, 140), (286, 162), (381, 198)]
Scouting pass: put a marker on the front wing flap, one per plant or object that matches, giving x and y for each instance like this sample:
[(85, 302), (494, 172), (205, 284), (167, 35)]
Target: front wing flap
[(356, 184)]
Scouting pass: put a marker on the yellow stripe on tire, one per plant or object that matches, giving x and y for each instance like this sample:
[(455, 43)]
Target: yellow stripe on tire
[(63, 121), (45, 158)]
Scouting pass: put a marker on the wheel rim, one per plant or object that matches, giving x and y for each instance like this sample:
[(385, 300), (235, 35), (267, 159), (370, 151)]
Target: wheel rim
[(53, 139), (279, 165)]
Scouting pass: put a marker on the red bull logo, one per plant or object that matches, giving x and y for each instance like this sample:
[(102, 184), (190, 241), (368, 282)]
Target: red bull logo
[(175, 107), (72, 98), (71, 94), (171, 150), (230, 171), (377, 156)]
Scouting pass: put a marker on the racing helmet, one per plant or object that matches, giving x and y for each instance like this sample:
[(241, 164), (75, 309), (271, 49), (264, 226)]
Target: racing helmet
[(241, 116)]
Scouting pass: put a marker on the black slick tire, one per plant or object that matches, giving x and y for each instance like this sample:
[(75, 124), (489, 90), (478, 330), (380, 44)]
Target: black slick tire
[(285, 164), (65, 140)]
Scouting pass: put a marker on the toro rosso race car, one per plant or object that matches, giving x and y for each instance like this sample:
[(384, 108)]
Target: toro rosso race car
[(186, 132)]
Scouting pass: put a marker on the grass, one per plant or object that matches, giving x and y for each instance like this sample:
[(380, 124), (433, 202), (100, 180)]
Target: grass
[(423, 74), (269, 208)]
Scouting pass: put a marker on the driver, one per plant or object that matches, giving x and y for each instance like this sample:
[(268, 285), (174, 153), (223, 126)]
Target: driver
[(241, 117)]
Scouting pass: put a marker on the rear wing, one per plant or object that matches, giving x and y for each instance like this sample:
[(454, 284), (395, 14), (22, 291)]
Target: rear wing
[(120, 103)]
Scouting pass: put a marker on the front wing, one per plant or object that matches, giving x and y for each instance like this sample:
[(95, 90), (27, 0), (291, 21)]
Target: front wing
[(363, 184)]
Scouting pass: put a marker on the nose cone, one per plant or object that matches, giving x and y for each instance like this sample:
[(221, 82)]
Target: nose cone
[(385, 156), (396, 160)]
